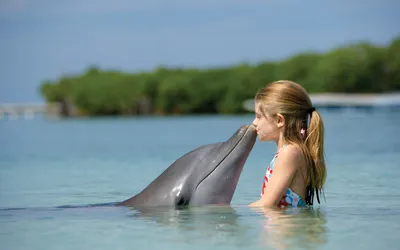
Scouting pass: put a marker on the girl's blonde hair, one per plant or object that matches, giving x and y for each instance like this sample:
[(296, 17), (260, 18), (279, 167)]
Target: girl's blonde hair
[(292, 101)]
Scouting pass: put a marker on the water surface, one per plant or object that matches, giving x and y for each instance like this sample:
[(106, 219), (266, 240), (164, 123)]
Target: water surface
[(45, 164)]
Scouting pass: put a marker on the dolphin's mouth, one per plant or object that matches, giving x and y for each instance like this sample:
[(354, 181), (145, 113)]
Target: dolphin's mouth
[(230, 151)]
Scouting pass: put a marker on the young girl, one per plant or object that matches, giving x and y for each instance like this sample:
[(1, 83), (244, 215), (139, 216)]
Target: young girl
[(284, 114)]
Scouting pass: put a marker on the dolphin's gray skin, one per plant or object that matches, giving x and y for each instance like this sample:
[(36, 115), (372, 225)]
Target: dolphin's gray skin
[(207, 175)]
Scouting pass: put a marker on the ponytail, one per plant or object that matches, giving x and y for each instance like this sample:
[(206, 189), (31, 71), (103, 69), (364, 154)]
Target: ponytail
[(315, 145)]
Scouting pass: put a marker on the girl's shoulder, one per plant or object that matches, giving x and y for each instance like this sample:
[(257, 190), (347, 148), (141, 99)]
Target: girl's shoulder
[(291, 154), (291, 150)]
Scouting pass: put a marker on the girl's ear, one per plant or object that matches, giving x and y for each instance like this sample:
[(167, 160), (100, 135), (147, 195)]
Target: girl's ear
[(280, 120)]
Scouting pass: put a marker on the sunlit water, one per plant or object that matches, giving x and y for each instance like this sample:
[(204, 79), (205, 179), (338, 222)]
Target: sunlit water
[(45, 164)]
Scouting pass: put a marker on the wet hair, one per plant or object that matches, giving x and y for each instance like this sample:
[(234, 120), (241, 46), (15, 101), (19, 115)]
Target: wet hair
[(292, 101)]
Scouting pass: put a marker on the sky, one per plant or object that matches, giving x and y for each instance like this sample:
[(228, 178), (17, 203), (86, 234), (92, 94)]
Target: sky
[(45, 39)]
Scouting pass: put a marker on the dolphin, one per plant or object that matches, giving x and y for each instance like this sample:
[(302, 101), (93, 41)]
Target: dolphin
[(206, 175)]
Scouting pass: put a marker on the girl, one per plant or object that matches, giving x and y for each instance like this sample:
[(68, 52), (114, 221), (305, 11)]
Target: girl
[(297, 171)]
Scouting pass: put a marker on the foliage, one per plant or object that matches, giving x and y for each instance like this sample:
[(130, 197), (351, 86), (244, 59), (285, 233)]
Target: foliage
[(355, 68)]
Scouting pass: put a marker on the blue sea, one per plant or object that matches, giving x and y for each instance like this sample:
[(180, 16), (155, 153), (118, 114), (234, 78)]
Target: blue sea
[(46, 163)]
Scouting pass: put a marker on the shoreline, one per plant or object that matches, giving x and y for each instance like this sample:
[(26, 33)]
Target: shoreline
[(320, 100)]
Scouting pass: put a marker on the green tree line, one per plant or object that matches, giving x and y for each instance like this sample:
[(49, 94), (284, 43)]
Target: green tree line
[(354, 68)]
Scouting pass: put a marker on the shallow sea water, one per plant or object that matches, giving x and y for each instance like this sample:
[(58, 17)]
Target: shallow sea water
[(45, 164)]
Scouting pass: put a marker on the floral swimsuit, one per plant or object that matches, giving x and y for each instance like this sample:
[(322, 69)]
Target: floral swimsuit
[(290, 198)]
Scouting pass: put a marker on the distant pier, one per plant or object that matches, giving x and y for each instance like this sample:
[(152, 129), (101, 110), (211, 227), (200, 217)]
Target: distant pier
[(13, 111)]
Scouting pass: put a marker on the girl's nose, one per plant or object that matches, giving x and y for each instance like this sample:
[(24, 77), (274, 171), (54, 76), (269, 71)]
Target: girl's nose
[(255, 123)]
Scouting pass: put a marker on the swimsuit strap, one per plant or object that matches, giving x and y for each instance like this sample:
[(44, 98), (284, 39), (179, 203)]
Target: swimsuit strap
[(272, 163), (279, 150)]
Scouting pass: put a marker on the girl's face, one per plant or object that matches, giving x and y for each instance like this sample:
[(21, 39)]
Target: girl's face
[(266, 126)]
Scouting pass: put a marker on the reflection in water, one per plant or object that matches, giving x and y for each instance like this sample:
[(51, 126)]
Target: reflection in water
[(230, 227), (293, 228), (238, 227), (208, 224)]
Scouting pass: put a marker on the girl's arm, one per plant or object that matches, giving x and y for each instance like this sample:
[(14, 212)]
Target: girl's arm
[(285, 169)]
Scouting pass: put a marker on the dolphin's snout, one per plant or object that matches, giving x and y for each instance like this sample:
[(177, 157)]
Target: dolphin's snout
[(244, 129), (248, 128), (252, 128)]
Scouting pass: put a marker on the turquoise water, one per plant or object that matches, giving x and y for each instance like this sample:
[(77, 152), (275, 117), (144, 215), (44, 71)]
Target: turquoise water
[(49, 163)]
